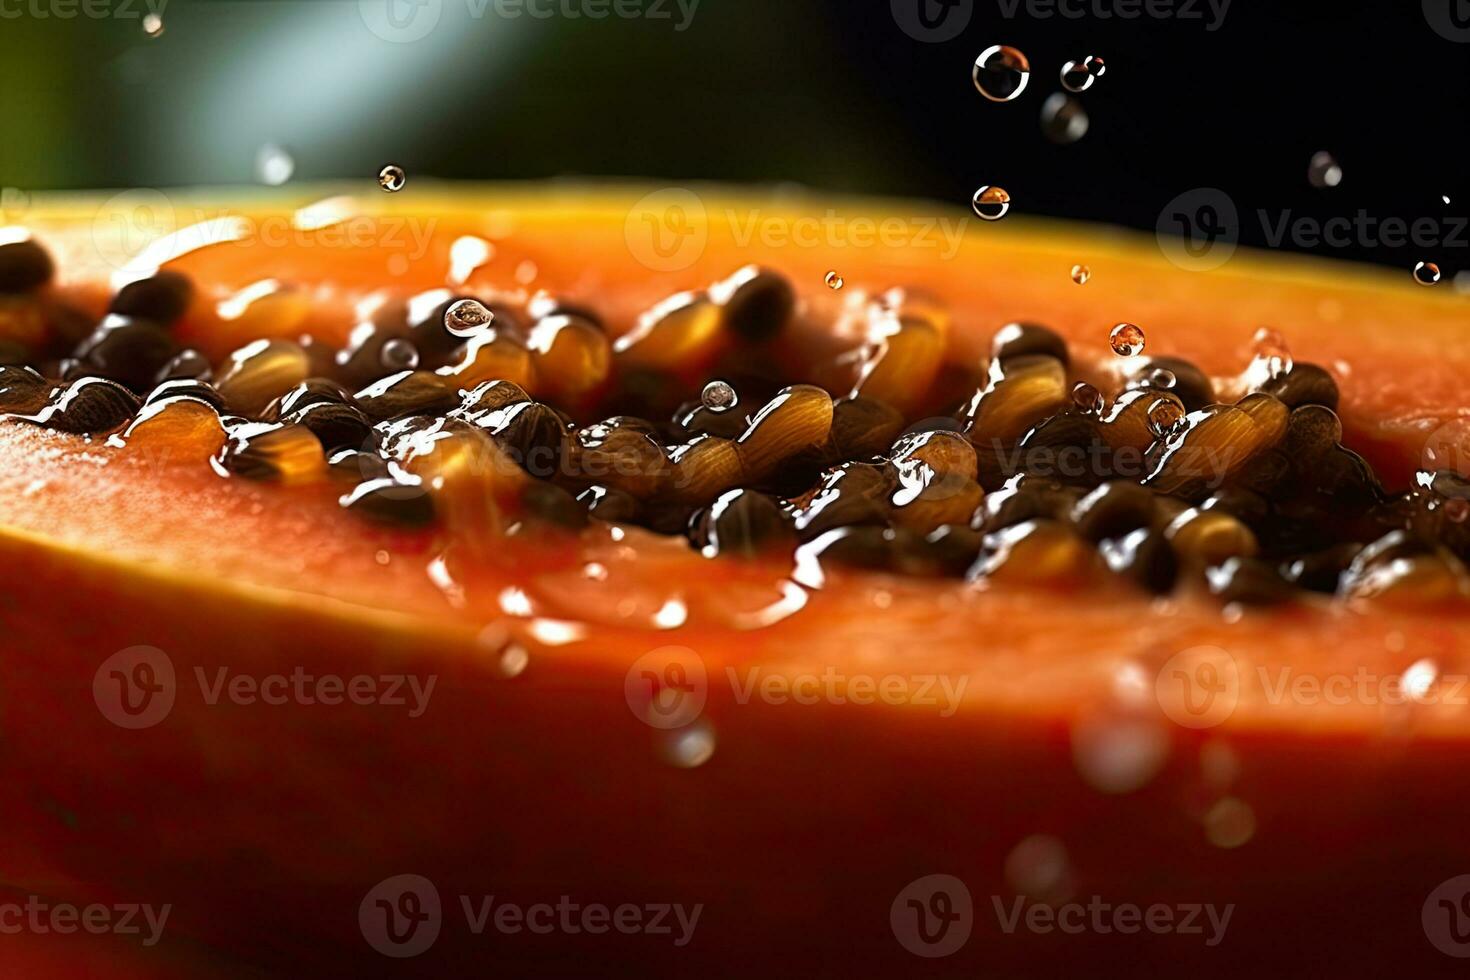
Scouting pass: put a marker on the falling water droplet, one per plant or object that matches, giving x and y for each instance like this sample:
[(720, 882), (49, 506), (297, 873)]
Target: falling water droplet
[(1127, 340), (467, 317), (1076, 77), (273, 165), (1063, 120), (1445, 198), (718, 396), (1080, 274), (1323, 171), (392, 178), (834, 280), (1426, 273), (1001, 73), (992, 203), (152, 25), (1088, 398)]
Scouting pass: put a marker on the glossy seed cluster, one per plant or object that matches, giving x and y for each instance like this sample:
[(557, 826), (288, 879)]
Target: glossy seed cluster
[(725, 416)]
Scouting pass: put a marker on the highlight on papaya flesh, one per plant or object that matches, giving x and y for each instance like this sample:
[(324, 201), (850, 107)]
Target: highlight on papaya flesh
[(501, 413)]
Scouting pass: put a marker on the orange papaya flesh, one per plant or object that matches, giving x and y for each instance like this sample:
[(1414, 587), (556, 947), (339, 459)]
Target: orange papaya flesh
[(807, 819)]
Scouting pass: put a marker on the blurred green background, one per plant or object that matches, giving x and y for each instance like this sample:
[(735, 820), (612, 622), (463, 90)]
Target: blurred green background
[(828, 93)]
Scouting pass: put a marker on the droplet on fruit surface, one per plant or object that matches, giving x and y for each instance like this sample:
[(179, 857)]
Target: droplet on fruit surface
[(718, 396)]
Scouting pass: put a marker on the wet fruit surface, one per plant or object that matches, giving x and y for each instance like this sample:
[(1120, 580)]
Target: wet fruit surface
[(893, 492)]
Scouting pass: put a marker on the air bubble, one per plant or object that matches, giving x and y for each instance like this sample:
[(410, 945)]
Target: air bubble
[(467, 317), (1127, 340), (1426, 273), (833, 280), (392, 178), (1323, 171), (718, 396), (992, 203), (1001, 73), (1080, 274)]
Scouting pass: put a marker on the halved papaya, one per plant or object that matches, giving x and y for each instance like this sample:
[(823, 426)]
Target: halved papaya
[(329, 742)]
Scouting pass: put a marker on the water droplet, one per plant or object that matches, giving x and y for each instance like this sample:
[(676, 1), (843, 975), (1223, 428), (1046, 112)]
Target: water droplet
[(392, 178), (152, 25), (526, 272), (833, 280), (1323, 171), (1271, 353), (1080, 274), (718, 396), (1426, 273), (1163, 415), (1127, 340), (1445, 198), (1457, 509), (1088, 398), (273, 165), (992, 203), (399, 355), (1063, 120), (1078, 76), (382, 557), (513, 661), (467, 317), (1001, 73), (1162, 378)]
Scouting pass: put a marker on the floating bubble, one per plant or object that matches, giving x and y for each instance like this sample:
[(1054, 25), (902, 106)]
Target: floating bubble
[(1426, 273), (1127, 340), (1063, 120), (1080, 274), (992, 203), (1076, 77), (392, 178), (833, 280), (1323, 171), (1001, 73)]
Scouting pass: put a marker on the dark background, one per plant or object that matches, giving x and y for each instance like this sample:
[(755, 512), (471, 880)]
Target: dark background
[(826, 93)]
